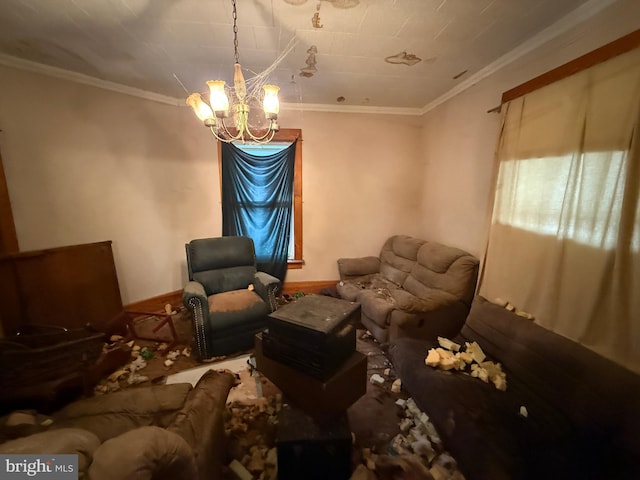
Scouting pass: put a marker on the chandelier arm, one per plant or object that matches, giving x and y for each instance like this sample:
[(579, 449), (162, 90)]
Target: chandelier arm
[(267, 140), (218, 137), (232, 137), (261, 138)]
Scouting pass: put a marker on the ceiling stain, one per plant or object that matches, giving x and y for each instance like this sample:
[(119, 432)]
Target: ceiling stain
[(310, 69), (315, 20), (403, 58), (340, 99)]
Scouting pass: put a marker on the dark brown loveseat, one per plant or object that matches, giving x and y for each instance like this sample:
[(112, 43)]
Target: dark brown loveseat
[(583, 418)]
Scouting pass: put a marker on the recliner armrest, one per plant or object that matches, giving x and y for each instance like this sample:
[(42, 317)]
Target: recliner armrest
[(194, 297), (357, 267), (266, 286), (192, 289)]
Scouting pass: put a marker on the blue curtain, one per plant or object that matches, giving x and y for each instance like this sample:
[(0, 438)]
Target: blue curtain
[(257, 200)]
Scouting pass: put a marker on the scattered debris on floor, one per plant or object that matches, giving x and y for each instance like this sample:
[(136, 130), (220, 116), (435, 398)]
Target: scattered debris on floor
[(150, 361), (410, 450), (250, 427), (416, 452)]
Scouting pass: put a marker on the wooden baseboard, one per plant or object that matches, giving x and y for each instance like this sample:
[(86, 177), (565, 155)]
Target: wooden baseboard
[(156, 304)]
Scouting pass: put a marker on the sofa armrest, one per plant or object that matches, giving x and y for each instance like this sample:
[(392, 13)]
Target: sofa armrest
[(441, 320), (144, 453), (357, 267), (194, 298), (201, 422), (61, 441), (267, 286)]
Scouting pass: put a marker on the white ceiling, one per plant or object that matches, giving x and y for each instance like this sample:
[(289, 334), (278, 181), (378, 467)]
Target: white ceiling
[(157, 45)]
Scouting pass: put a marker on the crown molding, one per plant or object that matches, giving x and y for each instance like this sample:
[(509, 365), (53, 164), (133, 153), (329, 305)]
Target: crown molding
[(320, 107), (577, 16), (56, 72)]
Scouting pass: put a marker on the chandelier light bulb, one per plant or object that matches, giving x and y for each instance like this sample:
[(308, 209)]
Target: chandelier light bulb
[(271, 103), (218, 98), (200, 108)]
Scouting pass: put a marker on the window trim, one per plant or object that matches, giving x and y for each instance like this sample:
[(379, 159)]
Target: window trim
[(286, 135), (599, 55)]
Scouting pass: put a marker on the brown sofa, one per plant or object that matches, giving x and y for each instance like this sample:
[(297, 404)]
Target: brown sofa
[(413, 288), (165, 431), (582, 418)]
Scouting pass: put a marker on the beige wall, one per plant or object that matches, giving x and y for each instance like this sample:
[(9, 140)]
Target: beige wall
[(361, 184), (85, 165), (459, 136)]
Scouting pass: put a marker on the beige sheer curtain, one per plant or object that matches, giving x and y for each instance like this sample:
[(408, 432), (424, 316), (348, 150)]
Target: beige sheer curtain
[(564, 242)]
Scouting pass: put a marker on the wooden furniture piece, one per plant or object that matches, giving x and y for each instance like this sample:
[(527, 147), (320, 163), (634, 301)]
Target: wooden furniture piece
[(68, 287), (164, 319), (44, 367)]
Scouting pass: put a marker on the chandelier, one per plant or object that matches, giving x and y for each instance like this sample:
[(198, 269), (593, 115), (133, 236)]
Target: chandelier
[(222, 100)]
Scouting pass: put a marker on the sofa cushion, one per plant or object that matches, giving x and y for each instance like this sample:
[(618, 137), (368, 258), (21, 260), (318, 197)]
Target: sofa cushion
[(398, 256), (430, 299), (224, 279), (73, 441), (110, 415), (472, 418), (233, 301), (445, 268), (351, 289)]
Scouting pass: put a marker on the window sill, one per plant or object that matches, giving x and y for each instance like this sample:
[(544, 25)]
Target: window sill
[(295, 264)]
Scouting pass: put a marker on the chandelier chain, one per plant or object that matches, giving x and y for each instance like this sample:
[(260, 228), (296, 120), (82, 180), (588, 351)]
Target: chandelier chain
[(235, 32)]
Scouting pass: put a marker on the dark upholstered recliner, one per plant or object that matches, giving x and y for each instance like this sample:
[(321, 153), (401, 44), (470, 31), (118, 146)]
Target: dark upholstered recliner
[(228, 298)]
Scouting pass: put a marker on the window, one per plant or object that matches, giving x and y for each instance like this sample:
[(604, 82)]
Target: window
[(282, 139), (531, 195)]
